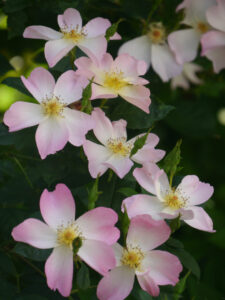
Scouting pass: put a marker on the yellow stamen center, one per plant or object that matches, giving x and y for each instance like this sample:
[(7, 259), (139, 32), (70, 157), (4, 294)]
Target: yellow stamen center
[(66, 235), (115, 81), (53, 107), (174, 201), (119, 146), (157, 33), (202, 27), (75, 35), (132, 258)]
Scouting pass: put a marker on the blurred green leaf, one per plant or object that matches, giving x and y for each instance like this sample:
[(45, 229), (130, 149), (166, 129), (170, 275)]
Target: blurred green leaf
[(17, 84), (126, 191), (4, 65), (93, 194), (31, 252), (83, 278), (112, 29), (86, 96), (180, 286), (139, 143)]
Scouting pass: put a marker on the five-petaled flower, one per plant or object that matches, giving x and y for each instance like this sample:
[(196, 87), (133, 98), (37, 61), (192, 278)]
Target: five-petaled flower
[(115, 150), (169, 202), (58, 124), (152, 267), (119, 77), (94, 232), (154, 50), (89, 38)]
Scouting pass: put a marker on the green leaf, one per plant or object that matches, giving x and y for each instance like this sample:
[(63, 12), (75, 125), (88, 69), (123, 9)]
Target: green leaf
[(172, 160), (126, 191), (141, 120), (139, 143), (83, 278), (112, 29), (180, 286), (93, 194), (17, 84), (86, 96), (31, 253), (125, 222)]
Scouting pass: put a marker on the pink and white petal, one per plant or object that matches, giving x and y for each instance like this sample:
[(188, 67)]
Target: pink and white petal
[(148, 154), (118, 252), (145, 176), (71, 19), (98, 255), (55, 50), (139, 48), (164, 63), (196, 10), (94, 47), (146, 233), (142, 204), (103, 129), (69, 87), (148, 284), (99, 92), (41, 32), (180, 81), (137, 95), (117, 284), (216, 15), (51, 136), (127, 64), (212, 40), (186, 213), (116, 36), (217, 55), (169, 213), (98, 224), (22, 115), (106, 62), (119, 164), (59, 270), (201, 220), (183, 5), (96, 27), (162, 185), (35, 233), (84, 65), (194, 190), (57, 207), (164, 267), (40, 84), (97, 155), (119, 129), (78, 124), (184, 44), (190, 70)]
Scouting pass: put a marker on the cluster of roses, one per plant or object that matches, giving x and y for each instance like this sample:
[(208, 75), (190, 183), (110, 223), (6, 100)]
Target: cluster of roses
[(92, 237)]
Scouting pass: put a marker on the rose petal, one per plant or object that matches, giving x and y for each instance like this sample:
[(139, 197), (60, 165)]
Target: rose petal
[(201, 220), (41, 32), (71, 19)]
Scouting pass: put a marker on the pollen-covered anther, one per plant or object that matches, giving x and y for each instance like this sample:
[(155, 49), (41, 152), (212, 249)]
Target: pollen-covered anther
[(175, 201), (53, 107), (132, 257), (66, 235), (75, 35), (115, 80), (157, 33), (119, 146), (202, 27)]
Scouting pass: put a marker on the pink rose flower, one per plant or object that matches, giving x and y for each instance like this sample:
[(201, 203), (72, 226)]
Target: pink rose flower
[(169, 202), (119, 77), (152, 267), (58, 124), (114, 151), (89, 38), (184, 43), (94, 232), (213, 42), (154, 50)]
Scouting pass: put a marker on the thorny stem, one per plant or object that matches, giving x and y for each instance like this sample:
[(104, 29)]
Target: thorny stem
[(23, 171)]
